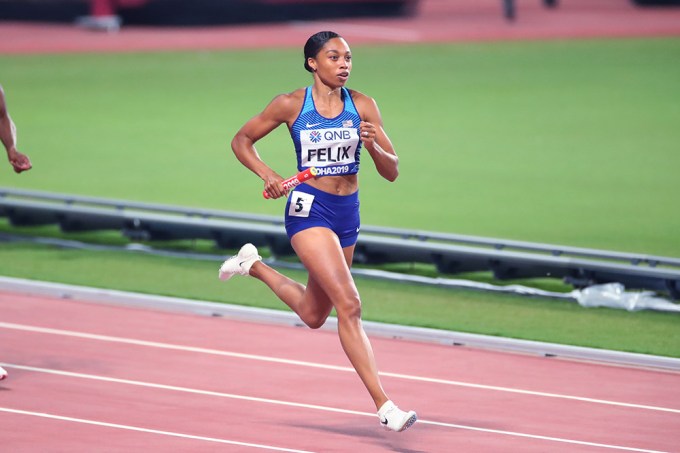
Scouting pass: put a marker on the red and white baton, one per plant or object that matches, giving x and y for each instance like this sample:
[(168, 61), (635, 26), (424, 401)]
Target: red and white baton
[(296, 180)]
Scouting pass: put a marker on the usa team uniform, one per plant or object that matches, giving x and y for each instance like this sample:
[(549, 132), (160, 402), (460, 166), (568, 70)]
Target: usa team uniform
[(332, 145)]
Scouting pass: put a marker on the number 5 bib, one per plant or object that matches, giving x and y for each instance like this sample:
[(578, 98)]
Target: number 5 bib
[(300, 204)]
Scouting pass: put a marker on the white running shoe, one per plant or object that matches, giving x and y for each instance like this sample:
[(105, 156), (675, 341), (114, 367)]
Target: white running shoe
[(394, 419), (240, 264), (3, 373)]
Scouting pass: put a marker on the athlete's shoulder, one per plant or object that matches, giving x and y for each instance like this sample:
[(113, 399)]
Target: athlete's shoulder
[(365, 104), (357, 95), (293, 98), (287, 104)]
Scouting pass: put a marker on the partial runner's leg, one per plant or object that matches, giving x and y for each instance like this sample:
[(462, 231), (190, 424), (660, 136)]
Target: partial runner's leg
[(320, 252), (310, 302), (328, 266)]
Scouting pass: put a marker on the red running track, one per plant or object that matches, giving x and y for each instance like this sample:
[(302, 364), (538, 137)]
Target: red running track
[(440, 21), (89, 377)]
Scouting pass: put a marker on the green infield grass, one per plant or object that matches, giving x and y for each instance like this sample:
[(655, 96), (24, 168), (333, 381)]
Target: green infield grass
[(572, 143), (564, 142)]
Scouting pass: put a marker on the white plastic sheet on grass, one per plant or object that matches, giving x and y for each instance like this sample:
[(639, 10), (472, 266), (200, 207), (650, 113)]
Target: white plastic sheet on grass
[(614, 295)]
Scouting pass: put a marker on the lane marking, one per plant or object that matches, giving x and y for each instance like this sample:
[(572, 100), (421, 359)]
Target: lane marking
[(69, 333), (313, 406), (147, 430)]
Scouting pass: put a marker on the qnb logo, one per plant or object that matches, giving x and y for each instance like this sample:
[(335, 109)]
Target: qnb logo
[(315, 136)]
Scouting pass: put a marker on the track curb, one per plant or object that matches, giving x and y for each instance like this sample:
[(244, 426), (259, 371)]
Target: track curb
[(263, 315)]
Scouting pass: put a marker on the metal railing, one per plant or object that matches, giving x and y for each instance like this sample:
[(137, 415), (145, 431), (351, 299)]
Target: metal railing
[(450, 253)]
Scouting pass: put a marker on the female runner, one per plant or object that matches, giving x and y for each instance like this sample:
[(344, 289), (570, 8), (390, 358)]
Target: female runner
[(329, 125)]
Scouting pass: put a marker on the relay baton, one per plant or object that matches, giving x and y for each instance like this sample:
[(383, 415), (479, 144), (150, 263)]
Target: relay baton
[(296, 180)]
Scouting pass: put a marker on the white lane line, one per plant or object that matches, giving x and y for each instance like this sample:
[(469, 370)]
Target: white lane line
[(147, 430), (182, 389), (313, 406), (239, 355)]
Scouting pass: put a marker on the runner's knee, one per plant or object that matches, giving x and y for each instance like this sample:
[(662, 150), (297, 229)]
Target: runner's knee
[(315, 315), (349, 308), (315, 322)]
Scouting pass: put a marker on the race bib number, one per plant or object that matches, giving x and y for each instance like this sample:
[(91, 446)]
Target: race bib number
[(300, 204)]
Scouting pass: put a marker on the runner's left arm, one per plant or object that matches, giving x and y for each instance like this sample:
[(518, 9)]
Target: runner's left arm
[(8, 135), (375, 139)]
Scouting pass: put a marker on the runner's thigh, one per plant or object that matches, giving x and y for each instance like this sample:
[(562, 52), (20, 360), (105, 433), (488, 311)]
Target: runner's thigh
[(327, 263)]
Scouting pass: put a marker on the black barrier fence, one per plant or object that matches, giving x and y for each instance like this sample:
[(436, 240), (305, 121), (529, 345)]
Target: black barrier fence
[(203, 12), (221, 12), (450, 253)]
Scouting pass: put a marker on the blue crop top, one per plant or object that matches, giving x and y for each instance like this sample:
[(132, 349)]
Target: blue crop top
[(331, 145)]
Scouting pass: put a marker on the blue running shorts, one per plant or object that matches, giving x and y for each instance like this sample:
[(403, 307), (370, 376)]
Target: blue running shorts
[(309, 207)]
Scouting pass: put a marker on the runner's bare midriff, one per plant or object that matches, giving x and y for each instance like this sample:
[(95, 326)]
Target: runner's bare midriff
[(336, 185)]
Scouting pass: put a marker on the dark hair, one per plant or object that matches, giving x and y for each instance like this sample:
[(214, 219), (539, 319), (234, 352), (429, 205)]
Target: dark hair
[(315, 43)]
